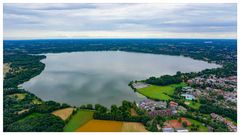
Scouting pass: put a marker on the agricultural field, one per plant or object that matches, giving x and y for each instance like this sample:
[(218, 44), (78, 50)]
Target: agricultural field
[(64, 114), (133, 127), (101, 126), (159, 92), (77, 120), (201, 127)]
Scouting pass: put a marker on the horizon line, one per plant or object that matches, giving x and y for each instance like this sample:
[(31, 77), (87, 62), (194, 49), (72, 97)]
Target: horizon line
[(111, 38)]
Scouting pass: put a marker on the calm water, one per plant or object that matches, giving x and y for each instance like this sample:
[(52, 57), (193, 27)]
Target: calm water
[(102, 77)]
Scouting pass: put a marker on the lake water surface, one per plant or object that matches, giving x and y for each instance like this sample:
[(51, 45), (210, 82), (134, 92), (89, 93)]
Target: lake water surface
[(103, 76)]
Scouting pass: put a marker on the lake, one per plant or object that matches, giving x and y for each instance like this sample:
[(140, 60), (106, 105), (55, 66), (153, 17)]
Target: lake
[(102, 76)]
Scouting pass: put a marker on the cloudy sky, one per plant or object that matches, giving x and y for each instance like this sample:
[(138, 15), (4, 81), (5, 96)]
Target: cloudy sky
[(38, 21)]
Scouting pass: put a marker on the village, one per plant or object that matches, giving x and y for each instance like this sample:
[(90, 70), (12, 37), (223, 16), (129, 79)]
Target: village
[(221, 91)]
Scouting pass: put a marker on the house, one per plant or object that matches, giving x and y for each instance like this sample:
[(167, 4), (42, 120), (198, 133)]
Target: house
[(151, 105), (161, 104), (182, 109), (173, 105), (188, 89), (167, 129), (181, 130), (166, 112), (188, 96)]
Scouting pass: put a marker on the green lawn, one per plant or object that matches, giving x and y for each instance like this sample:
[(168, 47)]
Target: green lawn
[(201, 127), (78, 119), (194, 105), (159, 92)]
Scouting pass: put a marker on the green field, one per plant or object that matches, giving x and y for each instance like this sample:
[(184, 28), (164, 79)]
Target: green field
[(194, 105), (18, 96), (159, 92), (78, 119), (201, 127)]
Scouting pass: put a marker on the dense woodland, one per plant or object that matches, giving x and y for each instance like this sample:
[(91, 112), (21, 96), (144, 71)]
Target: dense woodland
[(33, 114), (165, 79)]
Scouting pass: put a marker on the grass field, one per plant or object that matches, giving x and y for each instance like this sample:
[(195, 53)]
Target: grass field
[(194, 105), (101, 126), (64, 114), (36, 101), (159, 92), (133, 127), (18, 96), (78, 119), (201, 127)]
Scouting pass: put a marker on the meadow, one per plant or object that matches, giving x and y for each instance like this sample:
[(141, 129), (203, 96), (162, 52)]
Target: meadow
[(159, 92)]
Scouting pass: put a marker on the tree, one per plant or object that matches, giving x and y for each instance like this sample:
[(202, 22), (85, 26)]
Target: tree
[(37, 123), (184, 124), (89, 106)]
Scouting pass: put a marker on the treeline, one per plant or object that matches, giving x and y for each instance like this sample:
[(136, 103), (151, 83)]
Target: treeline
[(121, 113), (165, 79), (37, 123), (23, 67)]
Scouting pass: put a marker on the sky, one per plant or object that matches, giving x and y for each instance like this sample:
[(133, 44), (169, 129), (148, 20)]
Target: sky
[(157, 20)]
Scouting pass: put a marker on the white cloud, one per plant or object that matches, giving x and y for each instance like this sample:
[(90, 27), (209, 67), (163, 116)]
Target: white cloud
[(120, 20)]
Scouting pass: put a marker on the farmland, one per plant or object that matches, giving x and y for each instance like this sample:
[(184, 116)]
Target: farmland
[(159, 92), (64, 114), (133, 127), (111, 126), (101, 126), (78, 119)]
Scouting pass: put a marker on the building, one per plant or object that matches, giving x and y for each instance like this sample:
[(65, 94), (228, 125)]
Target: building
[(151, 105), (173, 105), (167, 129), (181, 130), (188, 96), (166, 112), (182, 109), (161, 104), (188, 89)]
